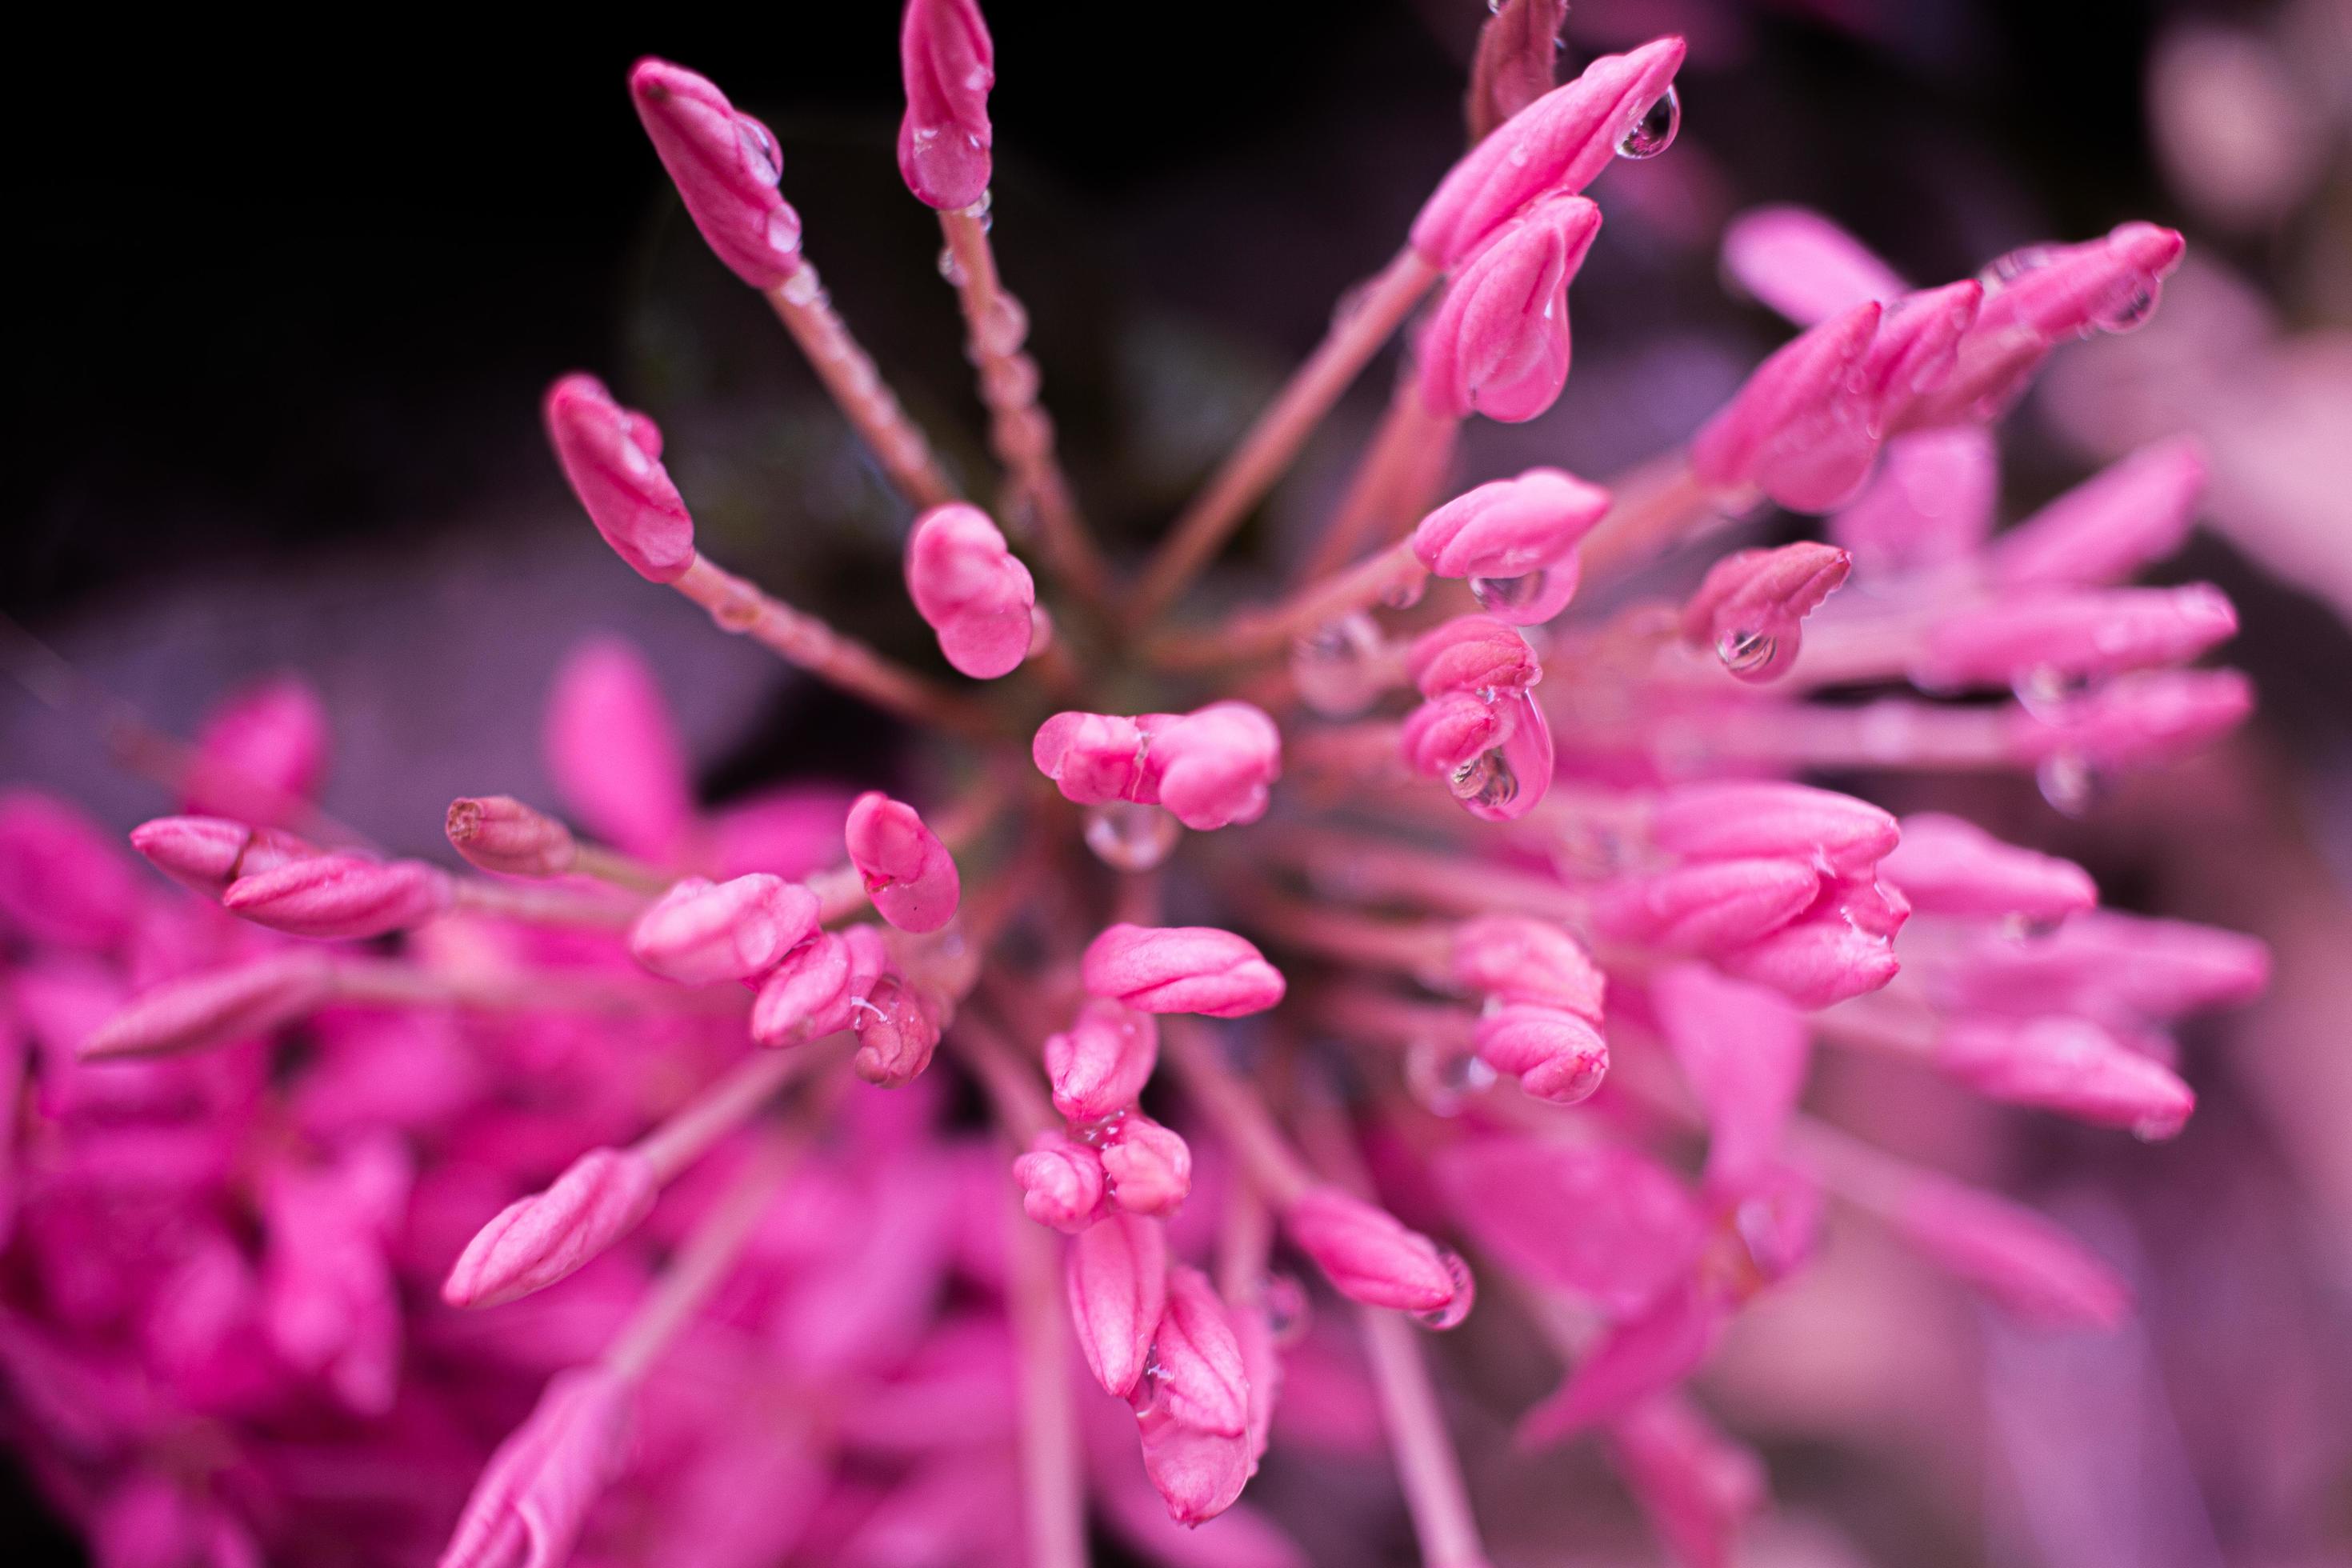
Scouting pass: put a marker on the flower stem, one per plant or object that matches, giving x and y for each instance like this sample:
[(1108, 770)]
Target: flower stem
[(702, 1262), (1659, 505), (1253, 465), (1241, 1119), (848, 372), (1050, 1471), (731, 1101), (1248, 634), (1394, 481), (1019, 431)]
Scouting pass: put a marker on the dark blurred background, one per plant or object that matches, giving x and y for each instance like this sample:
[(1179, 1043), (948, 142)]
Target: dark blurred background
[(288, 301)]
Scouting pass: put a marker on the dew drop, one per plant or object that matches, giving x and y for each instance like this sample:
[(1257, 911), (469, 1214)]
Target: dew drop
[(1456, 1306), (1486, 779), (1442, 1076), (760, 153), (1745, 652), (1508, 593), (1149, 1394), (1004, 327), (1406, 595), (2068, 781), (950, 267), (1654, 132), (2004, 270), (1333, 667), (801, 288), (2127, 311), (2045, 691), (1131, 838), (1287, 1311)]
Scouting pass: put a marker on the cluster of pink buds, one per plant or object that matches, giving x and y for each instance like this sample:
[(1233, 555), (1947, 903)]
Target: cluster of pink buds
[(569, 1143)]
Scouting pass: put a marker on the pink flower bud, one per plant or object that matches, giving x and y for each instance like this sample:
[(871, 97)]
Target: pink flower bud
[(1798, 429), (2134, 717), (2118, 968), (1518, 50), (968, 588), (2067, 1065), (204, 1009), (1818, 961), (1706, 908), (1743, 1050), (1517, 958), (1750, 611), (1633, 1362), (1180, 969), (1949, 866), (612, 455), (726, 165), (1698, 1486), (1917, 345), (1471, 653), (208, 853), (2081, 633), (908, 873), (536, 1240), (528, 1507), (1499, 343), (699, 933), (2010, 1253), (897, 1033), (61, 878), (949, 64), (498, 833), (1515, 540), (1196, 1372), (1554, 1054), (1930, 503), (341, 896), (1554, 146), (2107, 527), (1061, 1181), (1600, 1220), (1804, 266), (814, 992), (1451, 730), (1148, 1166), (1092, 758), (1739, 818), (1102, 1061), (1118, 1277), (1199, 1474), (258, 753), (1213, 766), (613, 753), (1370, 1258)]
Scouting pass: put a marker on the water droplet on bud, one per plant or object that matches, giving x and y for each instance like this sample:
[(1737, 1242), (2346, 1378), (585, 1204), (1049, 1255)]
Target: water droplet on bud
[(1506, 593), (1126, 837), (950, 267), (2128, 310), (1286, 1309), (1406, 595), (1654, 132), (1486, 779), (1440, 1076), (2068, 781), (1333, 667), (760, 153), (1745, 652), (1457, 1306)]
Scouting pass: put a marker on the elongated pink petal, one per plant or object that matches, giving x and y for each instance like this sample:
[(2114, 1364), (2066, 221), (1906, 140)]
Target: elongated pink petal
[(206, 1009), (1180, 969), (1102, 1061), (1800, 429), (2121, 518), (1916, 350), (1750, 611), (615, 753), (260, 752), (726, 165), (1196, 1374), (908, 873), (1634, 1361), (1740, 819), (528, 1508), (1707, 907), (341, 896), (1118, 1277), (700, 932), (498, 833), (1498, 342), (1697, 1485), (1950, 865), (2132, 718), (1518, 50), (1601, 1220), (2017, 1257), (2068, 1064), (612, 455), (1369, 1256), (1554, 146), (948, 64), (538, 1240), (2077, 634), (1804, 265), (1825, 957), (60, 880), (968, 586), (1930, 503), (1745, 1051)]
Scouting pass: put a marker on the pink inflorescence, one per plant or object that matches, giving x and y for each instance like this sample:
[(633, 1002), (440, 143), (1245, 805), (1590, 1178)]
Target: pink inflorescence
[(602, 1190)]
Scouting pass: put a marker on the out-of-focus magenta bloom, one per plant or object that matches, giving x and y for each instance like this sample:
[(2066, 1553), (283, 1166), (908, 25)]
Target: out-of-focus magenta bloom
[(260, 752)]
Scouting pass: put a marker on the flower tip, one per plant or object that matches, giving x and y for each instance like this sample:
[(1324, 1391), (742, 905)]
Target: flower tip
[(971, 590), (611, 456), (725, 165), (497, 832), (538, 1240), (908, 872), (948, 64), (341, 897)]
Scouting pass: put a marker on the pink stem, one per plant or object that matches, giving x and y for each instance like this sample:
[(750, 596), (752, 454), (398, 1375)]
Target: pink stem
[(1241, 1118), (1347, 865), (1422, 949), (1013, 1090), (739, 606), (1658, 506), (391, 983), (543, 906), (728, 1103), (1254, 465), (849, 374), (619, 871), (1053, 1479), (702, 1262), (1426, 1462), (1019, 431), (1382, 495), (1250, 633)]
